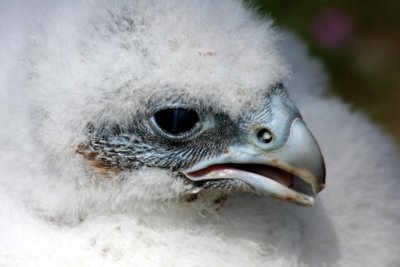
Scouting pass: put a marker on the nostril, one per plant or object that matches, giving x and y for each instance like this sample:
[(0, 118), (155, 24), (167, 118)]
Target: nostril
[(264, 136)]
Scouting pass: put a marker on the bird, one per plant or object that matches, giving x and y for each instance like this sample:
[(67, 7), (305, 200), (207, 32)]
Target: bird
[(182, 133)]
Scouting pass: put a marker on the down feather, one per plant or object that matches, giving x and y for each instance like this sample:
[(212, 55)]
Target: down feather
[(64, 64)]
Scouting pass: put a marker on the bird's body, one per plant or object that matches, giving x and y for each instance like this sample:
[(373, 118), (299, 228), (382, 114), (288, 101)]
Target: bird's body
[(79, 82)]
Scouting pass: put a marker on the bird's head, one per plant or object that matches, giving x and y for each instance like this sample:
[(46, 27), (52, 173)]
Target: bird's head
[(190, 89), (267, 150)]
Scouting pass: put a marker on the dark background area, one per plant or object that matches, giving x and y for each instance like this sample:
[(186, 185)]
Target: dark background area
[(359, 43)]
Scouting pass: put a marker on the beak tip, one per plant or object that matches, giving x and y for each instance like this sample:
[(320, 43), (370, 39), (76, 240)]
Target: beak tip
[(321, 187)]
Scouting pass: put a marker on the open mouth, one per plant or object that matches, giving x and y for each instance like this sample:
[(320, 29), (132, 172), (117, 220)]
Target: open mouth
[(264, 179)]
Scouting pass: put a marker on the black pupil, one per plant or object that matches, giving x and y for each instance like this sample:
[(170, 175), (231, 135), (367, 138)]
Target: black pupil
[(176, 120)]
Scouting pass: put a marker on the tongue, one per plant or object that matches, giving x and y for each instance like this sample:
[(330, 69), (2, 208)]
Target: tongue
[(265, 180), (275, 174), (280, 176)]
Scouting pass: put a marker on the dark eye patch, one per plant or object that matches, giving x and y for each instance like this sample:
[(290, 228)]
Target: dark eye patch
[(176, 120)]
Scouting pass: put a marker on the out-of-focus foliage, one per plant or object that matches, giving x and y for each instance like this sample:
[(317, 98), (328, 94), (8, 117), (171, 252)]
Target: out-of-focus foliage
[(359, 42)]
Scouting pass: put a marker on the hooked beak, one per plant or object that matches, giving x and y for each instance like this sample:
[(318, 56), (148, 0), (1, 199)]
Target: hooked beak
[(294, 172)]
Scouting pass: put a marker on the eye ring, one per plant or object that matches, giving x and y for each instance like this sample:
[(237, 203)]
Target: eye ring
[(176, 122)]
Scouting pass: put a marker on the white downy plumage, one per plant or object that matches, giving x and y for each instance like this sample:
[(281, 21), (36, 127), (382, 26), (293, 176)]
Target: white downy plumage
[(65, 64)]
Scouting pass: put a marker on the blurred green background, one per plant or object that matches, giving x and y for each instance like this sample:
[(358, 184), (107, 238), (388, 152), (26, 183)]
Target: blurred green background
[(359, 43)]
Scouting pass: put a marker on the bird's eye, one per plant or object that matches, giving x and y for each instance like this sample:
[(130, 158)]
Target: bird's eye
[(176, 120)]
